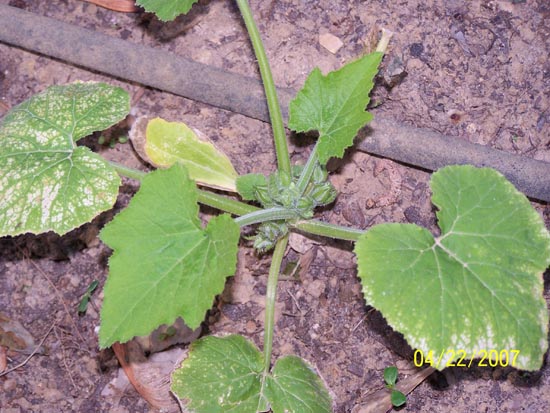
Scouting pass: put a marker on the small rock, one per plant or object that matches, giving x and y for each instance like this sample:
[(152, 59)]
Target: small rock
[(316, 288), (416, 49), (330, 42), (10, 385), (251, 326)]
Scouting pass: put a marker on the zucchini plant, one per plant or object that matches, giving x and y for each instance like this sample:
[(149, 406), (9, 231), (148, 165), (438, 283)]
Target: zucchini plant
[(475, 287)]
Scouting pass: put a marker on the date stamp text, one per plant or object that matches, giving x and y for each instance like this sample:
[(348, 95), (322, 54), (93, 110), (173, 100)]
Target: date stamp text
[(462, 358)]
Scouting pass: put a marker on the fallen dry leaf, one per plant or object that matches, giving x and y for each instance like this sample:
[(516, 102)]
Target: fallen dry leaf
[(148, 380), (124, 6), (14, 336), (3, 359)]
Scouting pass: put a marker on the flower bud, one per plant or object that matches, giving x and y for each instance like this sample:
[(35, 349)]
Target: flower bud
[(305, 207), (323, 194), (262, 195), (320, 174)]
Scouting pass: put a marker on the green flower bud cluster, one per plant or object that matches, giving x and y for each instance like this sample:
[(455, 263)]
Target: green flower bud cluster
[(280, 189), (268, 234)]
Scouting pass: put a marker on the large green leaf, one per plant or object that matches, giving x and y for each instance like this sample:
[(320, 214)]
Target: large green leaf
[(476, 288), (46, 181), (225, 375), (169, 142), (334, 105), (164, 264), (167, 9)]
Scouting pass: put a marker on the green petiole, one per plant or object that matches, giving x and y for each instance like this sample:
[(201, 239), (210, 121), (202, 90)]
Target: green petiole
[(277, 125), (271, 294), (249, 214), (325, 229), (305, 176), (263, 215), (128, 172)]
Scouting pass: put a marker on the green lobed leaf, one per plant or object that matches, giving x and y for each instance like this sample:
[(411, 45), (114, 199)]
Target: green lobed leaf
[(397, 398), (225, 375), (47, 182), (166, 9), (164, 264), (390, 375), (170, 142), (334, 105), (248, 184), (475, 288), (293, 387), (220, 375)]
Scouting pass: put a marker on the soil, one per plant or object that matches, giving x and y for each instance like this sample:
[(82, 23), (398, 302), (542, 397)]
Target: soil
[(477, 70)]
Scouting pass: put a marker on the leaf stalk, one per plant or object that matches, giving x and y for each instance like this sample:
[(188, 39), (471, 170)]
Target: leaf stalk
[(208, 198), (128, 172), (263, 215), (270, 299), (277, 125), (225, 204), (325, 229), (305, 176)]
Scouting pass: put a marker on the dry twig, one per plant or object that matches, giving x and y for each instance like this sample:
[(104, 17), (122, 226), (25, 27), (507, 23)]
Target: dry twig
[(32, 354)]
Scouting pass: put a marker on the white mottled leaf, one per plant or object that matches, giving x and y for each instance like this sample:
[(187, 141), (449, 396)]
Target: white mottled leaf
[(46, 181), (226, 375), (477, 288), (293, 386), (220, 375)]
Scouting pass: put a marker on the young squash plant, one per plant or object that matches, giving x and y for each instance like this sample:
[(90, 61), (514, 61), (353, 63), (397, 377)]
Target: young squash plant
[(477, 286)]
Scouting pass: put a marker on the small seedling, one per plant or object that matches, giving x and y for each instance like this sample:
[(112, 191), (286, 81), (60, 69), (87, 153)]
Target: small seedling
[(102, 140), (83, 306), (390, 377), (473, 289)]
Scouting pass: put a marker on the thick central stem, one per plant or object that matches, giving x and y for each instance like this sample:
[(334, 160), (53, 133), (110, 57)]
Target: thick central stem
[(270, 298)]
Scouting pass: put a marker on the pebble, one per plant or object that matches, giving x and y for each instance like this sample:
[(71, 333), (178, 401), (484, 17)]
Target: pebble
[(316, 288), (9, 385), (251, 326), (330, 42)]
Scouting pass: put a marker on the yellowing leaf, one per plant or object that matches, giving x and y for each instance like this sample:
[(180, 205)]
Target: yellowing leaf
[(169, 142)]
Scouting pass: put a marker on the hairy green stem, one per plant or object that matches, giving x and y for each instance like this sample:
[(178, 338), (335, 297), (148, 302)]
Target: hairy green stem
[(225, 204), (263, 215), (204, 197), (128, 172), (277, 125), (325, 229), (305, 176), (270, 297)]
